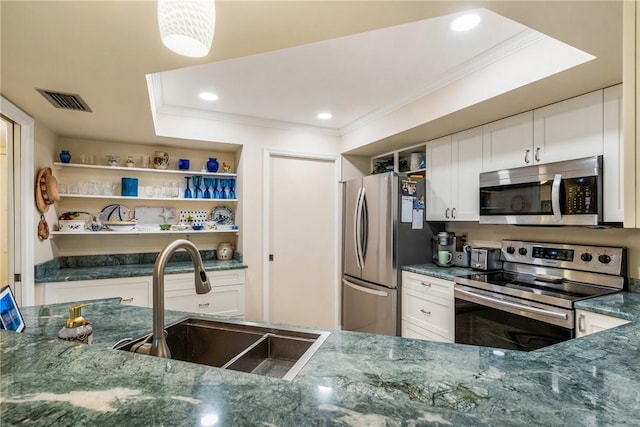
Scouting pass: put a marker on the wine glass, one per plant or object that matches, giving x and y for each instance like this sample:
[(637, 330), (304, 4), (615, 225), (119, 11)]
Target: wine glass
[(207, 184), (187, 190), (225, 189), (219, 194), (197, 182), (232, 189)]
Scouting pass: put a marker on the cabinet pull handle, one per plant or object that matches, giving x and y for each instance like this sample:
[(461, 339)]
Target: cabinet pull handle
[(428, 285), (127, 300), (203, 305), (453, 213), (425, 312), (537, 155), (581, 326), (446, 213), (526, 156)]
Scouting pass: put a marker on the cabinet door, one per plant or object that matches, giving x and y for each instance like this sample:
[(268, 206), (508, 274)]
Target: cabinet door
[(221, 300), (466, 160), (132, 290), (508, 143), (570, 129), (613, 159), (590, 323), (439, 185), (427, 307)]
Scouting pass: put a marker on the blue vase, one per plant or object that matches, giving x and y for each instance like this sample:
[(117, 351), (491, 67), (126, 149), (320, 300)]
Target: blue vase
[(212, 165), (65, 157)]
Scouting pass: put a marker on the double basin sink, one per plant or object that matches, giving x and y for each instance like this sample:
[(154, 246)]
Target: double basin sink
[(279, 352)]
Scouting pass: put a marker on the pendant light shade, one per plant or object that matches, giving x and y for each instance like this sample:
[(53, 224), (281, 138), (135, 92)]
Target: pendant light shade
[(187, 26)]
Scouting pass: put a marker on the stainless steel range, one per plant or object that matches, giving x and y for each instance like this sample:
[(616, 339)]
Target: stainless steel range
[(529, 304)]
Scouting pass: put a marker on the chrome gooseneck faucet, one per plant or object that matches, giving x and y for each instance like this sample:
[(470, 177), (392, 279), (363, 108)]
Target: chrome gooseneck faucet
[(159, 346)]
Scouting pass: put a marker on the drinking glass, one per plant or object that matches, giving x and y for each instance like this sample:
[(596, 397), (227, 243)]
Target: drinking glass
[(197, 181), (232, 189), (218, 188), (187, 190), (225, 189), (207, 185)]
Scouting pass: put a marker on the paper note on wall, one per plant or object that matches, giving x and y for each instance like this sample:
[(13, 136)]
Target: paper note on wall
[(406, 211)]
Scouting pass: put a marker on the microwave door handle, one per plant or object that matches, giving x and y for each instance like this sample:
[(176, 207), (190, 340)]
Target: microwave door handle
[(555, 198)]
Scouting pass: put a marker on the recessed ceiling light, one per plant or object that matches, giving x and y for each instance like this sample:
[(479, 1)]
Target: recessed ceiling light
[(465, 22), (324, 116), (208, 96)]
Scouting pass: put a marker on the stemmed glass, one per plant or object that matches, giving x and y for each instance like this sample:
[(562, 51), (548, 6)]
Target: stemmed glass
[(232, 188), (187, 190), (197, 181), (219, 193), (207, 184), (225, 188)]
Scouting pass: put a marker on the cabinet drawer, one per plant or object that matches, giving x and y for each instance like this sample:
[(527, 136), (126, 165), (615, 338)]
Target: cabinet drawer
[(133, 291), (184, 281), (223, 301), (409, 330), (427, 285), (428, 312)]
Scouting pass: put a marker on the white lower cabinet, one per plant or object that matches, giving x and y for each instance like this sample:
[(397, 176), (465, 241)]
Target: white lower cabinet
[(428, 310), (590, 323), (133, 290), (226, 297)]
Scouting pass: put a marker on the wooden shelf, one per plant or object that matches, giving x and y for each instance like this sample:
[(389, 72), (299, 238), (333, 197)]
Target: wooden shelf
[(168, 171), (172, 199)]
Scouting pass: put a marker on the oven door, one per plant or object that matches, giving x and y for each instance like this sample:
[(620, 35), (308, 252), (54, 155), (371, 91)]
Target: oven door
[(493, 320)]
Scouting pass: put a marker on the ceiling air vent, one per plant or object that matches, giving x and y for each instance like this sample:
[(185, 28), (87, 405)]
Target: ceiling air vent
[(66, 101)]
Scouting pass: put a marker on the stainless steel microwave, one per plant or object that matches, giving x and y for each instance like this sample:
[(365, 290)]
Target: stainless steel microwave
[(561, 193)]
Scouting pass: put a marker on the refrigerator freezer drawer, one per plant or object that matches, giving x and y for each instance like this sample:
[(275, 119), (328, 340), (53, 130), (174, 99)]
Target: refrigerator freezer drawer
[(369, 308)]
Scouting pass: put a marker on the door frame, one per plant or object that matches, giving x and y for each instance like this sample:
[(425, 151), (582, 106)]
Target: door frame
[(24, 210), (268, 153)]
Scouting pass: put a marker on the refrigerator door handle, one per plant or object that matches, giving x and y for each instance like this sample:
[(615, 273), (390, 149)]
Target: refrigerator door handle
[(357, 234), (363, 289), (365, 230)]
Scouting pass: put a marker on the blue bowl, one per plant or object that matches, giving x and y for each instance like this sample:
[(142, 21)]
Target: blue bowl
[(197, 227)]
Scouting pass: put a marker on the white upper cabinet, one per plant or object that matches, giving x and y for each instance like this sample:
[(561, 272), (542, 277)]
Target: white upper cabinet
[(455, 163), (570, 129), (508, 143), (613, 144)]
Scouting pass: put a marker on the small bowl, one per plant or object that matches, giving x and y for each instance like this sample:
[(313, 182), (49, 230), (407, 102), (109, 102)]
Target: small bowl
[(197, 227), (165, 227), (120, 225), (113, 160), (71, 225)]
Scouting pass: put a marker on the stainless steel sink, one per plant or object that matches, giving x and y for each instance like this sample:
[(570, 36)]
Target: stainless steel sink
[(240, 346)]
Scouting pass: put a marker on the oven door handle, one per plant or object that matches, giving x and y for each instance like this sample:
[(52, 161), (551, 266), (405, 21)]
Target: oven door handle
[(514, 305), (555, 198)]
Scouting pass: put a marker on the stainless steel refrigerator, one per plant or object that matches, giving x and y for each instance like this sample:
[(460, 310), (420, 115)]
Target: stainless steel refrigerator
[(377, 241)]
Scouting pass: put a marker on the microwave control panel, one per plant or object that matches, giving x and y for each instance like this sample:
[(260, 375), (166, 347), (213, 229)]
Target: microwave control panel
[(581, 195)]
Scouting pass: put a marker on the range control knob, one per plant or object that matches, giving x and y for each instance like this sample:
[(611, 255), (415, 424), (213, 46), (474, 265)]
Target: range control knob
[(604, 258), (511, 250), (522, 251), (586, 257)]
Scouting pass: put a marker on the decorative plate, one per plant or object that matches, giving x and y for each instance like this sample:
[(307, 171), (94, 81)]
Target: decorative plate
[(114, 213), (79, 216), (222, 215), (197, 217), (155, 216)]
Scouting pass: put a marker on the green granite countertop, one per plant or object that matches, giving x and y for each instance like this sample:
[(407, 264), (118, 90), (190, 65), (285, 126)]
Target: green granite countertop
[(446, 273), (353, 379), (129, 270)]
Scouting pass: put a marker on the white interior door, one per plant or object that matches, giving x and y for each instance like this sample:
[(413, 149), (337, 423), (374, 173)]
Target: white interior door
[(6, 138), (302, 209)]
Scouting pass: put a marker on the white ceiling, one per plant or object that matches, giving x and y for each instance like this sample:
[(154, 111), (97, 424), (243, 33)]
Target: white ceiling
[(103, 50), (353, 77)]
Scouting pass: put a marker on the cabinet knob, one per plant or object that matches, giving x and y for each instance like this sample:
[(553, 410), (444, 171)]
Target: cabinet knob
[(425, 312), (428, 285), (526, 156), (203, 305), (537, 155), (446, 213), (581, 327), (453, 213)]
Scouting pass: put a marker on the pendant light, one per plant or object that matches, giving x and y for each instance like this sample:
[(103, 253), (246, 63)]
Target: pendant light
[(187, 26)]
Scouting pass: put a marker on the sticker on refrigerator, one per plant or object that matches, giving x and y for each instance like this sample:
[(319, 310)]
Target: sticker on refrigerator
[(406, 211), (409, 187)]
